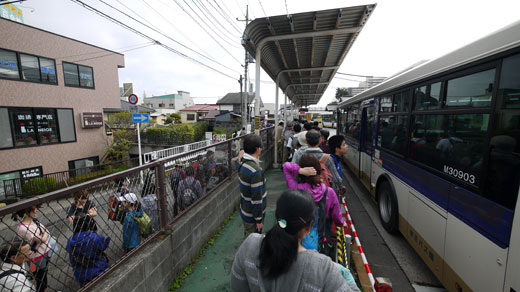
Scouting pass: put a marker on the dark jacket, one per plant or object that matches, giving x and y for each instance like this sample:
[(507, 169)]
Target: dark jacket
[(86, 254)]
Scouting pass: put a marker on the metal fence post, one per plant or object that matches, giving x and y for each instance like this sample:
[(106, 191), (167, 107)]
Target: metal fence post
[(230, 158), (161, 192)]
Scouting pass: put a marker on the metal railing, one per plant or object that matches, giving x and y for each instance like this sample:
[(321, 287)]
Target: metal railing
[(165, 153), (167, 189), (21, 187)]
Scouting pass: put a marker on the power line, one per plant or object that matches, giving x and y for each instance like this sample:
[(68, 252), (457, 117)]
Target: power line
[(137, 14), (224, 15), (86, 6), (366, 76), (109, 54), (286, 9), (174, 27), (163, 34), (211, 14), (206, 31), (191, 8), (228, 14), (336, 77), (262, 6), (98, 52)]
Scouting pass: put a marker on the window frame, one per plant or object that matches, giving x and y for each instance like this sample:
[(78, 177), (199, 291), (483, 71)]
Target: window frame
[(79, 78), (32, 109), (19, 64)]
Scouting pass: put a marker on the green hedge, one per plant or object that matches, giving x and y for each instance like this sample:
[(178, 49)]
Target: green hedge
[(171, 134)]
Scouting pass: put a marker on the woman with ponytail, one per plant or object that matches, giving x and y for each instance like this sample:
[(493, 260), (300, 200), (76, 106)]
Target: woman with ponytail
[(277, 261)]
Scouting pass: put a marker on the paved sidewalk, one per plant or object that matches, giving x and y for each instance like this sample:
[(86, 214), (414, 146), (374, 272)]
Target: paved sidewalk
[(211, 272)]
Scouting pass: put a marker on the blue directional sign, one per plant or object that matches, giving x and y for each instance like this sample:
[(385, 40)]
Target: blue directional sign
[(140, 118)]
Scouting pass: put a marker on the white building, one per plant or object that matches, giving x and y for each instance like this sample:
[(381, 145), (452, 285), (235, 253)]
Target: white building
[(169, 103)]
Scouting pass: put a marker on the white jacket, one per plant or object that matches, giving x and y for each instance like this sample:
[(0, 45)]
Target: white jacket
[(16, 282)]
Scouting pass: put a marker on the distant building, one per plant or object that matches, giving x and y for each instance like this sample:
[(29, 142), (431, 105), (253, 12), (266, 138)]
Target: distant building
[(227, 117), (364, 85), (233, 102), (51, 112), (159, 118), (196, 112), (169, 103)]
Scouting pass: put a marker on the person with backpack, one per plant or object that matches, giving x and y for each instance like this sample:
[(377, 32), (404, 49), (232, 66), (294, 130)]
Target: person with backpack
[(324, 146), (252, 185), (278, 261), (86, 250), (325, 198), (314, 139), (189, 190), (42, 244), (13, 276), (82, 206), (133, 209)]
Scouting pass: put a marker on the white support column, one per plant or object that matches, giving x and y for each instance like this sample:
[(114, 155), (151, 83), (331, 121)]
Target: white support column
[(257, 90), (276, 121)]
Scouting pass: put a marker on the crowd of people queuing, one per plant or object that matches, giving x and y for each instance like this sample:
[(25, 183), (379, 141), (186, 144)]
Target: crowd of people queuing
[(26, 258), (296, 254)]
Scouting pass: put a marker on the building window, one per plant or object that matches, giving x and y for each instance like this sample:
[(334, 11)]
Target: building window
[(162, 105), (48, 70), (8, 65), (78, 75), (172, 105), (30, 68), (22, 127), (190, 117)]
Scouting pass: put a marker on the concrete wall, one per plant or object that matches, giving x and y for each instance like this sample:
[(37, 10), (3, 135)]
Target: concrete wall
[(155, 267)]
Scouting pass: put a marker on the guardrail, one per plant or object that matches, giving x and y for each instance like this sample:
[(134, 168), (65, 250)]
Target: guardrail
[(167, 189), (165, 153)]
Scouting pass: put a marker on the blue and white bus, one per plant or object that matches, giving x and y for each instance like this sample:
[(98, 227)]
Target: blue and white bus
[(438, 147)]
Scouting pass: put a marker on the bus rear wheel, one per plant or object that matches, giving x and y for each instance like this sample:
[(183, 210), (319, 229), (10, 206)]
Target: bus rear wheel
[(387, 203)]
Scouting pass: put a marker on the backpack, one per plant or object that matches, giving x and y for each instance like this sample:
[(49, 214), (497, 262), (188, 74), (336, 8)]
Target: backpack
[(317, 237), (188, 194), (326, 175), (145, 225), (116, 210), (10, 272)]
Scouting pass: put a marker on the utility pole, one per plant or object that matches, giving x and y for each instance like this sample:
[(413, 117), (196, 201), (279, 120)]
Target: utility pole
[(245, 100), (242, 100)]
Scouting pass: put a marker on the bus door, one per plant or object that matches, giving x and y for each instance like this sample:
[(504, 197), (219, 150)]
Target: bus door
[(366, 143)]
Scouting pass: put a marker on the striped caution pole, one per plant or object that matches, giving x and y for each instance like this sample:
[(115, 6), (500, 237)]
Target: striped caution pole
[(360, 248), (341, 247)]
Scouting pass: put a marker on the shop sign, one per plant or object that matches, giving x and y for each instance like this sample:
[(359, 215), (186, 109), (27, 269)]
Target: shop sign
[(91, 120), (30, 173)]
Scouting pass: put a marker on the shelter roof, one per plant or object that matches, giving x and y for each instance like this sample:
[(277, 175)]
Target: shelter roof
[(201, 108), (308, 47)]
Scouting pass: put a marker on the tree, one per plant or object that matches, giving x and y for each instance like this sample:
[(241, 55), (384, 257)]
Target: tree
[(342, 92), (173, 118), (121, 120)]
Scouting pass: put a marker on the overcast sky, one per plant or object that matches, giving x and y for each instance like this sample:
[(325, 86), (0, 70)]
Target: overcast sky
[(399, 33)]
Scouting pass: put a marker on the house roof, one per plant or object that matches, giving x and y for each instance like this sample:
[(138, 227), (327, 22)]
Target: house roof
[(201, 108), (236, 98), (212, 114), (231, 113)]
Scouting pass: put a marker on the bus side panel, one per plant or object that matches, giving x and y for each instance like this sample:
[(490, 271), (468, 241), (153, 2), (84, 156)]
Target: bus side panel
[(474, 257), (513, 258), (366, 169), (427, 230)]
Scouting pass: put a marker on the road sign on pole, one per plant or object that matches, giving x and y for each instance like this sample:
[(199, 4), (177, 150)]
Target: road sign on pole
[(140, 118), (132, 99), (134, 109)]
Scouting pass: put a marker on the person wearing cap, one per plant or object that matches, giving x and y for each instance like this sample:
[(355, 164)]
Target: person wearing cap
[(130, 227)]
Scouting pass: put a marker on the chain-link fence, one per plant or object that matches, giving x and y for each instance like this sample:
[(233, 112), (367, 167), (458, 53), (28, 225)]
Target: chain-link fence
[(73, 235)]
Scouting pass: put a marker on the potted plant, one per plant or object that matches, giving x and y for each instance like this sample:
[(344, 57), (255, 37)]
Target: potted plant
[(43, 139), (52, 138), (28, 140)]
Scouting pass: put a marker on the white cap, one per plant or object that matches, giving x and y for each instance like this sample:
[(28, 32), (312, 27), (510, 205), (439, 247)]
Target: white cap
[(129, 197)]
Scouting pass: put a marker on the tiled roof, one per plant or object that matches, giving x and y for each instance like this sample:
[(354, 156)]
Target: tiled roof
[(236, 98)]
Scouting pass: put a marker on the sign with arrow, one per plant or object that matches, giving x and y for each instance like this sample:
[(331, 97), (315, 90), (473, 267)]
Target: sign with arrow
[(140, 118)]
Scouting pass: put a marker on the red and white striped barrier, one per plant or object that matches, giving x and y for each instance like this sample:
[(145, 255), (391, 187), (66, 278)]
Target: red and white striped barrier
[(360, 248)]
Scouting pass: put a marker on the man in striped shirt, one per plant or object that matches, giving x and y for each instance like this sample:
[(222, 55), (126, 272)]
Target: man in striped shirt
[(253, 196)]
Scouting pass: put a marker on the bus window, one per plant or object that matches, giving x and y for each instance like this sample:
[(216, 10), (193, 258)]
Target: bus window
[(370, 126), (473, 90), (401, 101), (453, 144), (392, 133), (503, 171), (386, 104), (428, 97)]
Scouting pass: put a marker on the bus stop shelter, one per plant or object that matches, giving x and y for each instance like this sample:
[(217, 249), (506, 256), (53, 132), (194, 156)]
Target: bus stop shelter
[(302, 52)]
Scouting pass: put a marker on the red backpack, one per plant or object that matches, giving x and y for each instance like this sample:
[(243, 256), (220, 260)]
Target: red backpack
[(326, 176)]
